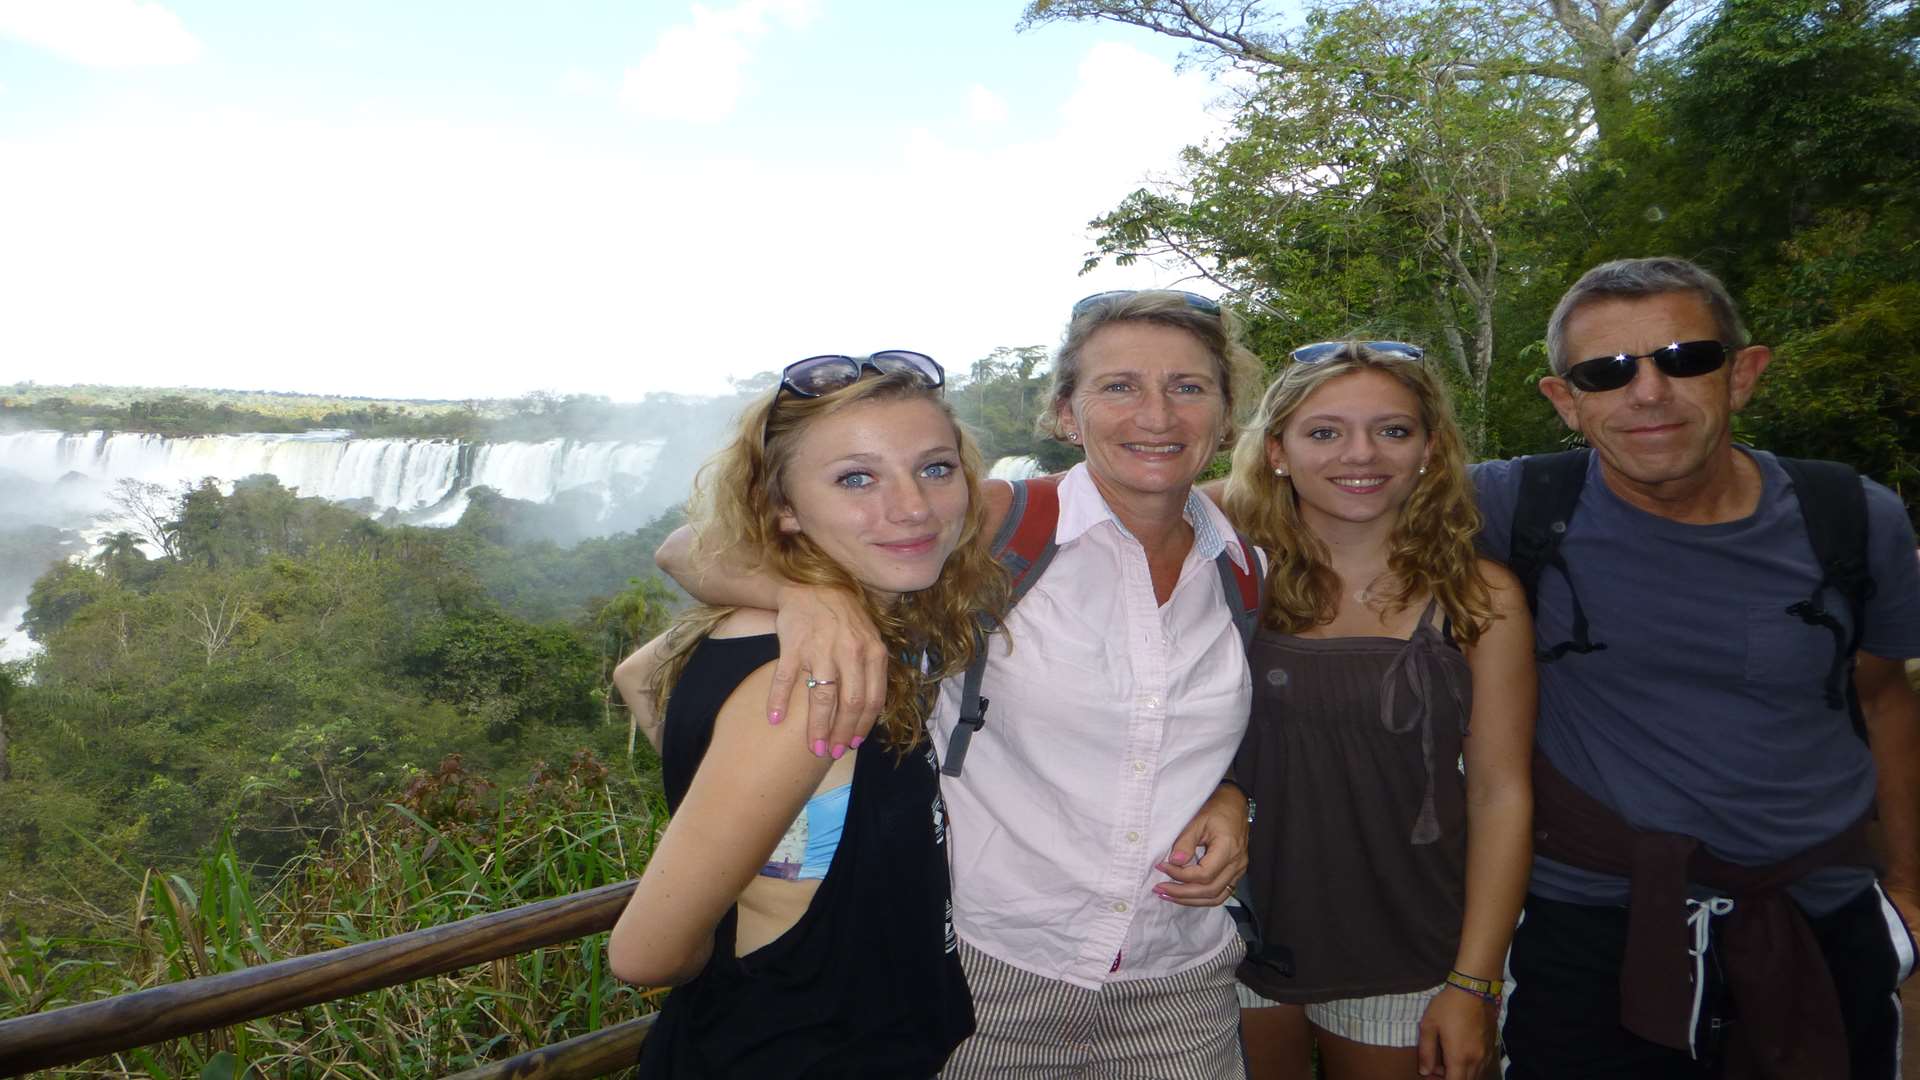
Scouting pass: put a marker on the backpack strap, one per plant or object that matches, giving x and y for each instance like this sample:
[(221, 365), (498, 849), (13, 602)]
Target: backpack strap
[(1549, 490), (1024, 545), (1834, 506), (1241, 586)]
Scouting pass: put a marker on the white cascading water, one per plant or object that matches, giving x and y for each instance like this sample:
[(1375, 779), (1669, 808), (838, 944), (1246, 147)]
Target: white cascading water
[(421, 478), (399, 474), (14, 644)]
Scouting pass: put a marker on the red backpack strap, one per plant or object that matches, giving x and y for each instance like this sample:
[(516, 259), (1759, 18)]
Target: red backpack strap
[(1241, 585), (1024, 545)]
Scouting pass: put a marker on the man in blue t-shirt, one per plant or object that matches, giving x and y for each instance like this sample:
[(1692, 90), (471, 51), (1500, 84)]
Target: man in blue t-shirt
[(1704, 718)]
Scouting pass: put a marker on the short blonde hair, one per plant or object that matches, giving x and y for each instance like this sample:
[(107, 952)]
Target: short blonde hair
[(1219, 332)]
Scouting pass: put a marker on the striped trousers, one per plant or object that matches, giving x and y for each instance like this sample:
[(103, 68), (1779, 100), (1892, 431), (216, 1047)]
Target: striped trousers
[(1176, 1027)]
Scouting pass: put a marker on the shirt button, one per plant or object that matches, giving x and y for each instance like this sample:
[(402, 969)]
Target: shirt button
[(1139, 768), (1153, 702), (1120, 907), (1133, 838)]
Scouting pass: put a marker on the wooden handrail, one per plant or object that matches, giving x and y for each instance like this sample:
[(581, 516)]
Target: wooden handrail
[(97, 1028), (593, 1054)]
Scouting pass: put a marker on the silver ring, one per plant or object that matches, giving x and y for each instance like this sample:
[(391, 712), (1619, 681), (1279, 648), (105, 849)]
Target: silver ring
[(813, 682)]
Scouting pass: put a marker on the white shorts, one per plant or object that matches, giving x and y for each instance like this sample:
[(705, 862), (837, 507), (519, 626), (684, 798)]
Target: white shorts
[(1381, 1020)]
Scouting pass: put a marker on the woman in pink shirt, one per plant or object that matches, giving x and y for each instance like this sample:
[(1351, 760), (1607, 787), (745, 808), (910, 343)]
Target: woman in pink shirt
[(1093, 838)]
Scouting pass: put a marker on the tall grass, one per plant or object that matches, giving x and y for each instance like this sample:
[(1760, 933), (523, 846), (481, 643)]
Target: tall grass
[(451, 847)]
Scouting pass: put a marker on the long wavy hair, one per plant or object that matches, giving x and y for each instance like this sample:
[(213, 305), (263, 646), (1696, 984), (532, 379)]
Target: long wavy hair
[(737, 500), (1430, 551)]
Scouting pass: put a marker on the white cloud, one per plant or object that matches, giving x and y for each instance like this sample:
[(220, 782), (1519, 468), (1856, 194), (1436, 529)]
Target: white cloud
[(381, 256), (101, 33), (697, 71), (984, 107)]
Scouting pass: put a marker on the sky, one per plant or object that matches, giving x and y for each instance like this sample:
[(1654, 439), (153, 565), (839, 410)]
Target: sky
[(483, 198)]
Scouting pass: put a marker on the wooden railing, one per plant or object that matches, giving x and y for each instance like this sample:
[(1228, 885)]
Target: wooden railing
[(97, 1028)]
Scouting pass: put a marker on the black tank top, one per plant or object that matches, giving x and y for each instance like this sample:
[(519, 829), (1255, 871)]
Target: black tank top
[(868, 982), (1358, 849)]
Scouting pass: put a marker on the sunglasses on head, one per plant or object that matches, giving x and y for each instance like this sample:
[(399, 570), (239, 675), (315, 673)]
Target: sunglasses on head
[(1324, 351), (1680, 360), (817, 375), (1202, 304)]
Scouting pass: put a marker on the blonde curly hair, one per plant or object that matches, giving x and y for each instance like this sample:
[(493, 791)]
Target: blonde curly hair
[(1430, 551), (737, 501)]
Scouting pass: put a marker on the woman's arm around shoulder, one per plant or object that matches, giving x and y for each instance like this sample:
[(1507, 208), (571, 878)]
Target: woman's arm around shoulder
[(632, 677), (824, 633), (749, 788)]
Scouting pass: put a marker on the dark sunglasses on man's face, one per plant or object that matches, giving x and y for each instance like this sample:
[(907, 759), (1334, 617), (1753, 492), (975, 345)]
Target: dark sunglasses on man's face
[(1681, 360)]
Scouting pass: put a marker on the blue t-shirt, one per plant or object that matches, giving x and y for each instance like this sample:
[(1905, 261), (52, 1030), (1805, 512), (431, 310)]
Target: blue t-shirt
[(1706, 713)]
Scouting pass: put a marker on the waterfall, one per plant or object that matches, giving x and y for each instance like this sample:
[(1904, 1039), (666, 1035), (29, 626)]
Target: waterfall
[(14, 644), (408, 475)]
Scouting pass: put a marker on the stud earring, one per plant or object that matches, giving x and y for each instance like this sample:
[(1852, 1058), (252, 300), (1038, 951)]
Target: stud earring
[(1423, 470), (1279, 472), (1073, 436)]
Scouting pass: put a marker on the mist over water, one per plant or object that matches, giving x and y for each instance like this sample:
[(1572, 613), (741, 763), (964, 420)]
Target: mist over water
[(55, 486), (407, 475)]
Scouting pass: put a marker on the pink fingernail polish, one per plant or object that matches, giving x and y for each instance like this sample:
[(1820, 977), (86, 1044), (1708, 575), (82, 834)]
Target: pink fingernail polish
[(774, 717), (819, 748), (839, 751), (855, 743)]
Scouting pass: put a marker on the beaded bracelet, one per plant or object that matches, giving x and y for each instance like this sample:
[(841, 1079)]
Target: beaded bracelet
[(1485, 989)]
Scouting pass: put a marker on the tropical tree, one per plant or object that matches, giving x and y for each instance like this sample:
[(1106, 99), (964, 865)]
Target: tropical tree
[(150, 510), (1590, 50), (11, 676), (1374, 184)]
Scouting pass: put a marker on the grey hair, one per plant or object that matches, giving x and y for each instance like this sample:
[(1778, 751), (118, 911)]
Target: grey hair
[(1238, 368), (1634, 278)]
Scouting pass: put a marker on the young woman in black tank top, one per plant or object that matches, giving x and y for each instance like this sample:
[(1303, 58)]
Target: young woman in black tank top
[(1388, 654), (840, 961)]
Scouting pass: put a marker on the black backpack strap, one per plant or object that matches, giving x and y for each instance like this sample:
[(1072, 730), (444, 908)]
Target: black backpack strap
[(1024, 545), (1834, 506), (973, 709), (1549, 490)]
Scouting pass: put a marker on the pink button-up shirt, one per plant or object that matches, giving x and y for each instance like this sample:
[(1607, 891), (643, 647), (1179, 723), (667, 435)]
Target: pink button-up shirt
[(1112, 720)]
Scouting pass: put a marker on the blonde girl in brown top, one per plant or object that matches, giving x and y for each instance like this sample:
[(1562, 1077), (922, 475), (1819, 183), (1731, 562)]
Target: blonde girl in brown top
[(1387, 753)]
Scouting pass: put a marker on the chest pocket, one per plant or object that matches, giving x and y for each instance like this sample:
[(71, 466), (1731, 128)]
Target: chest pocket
[(1783, 650)]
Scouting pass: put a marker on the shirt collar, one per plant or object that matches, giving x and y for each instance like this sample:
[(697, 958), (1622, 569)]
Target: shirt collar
[(1082, 507)]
